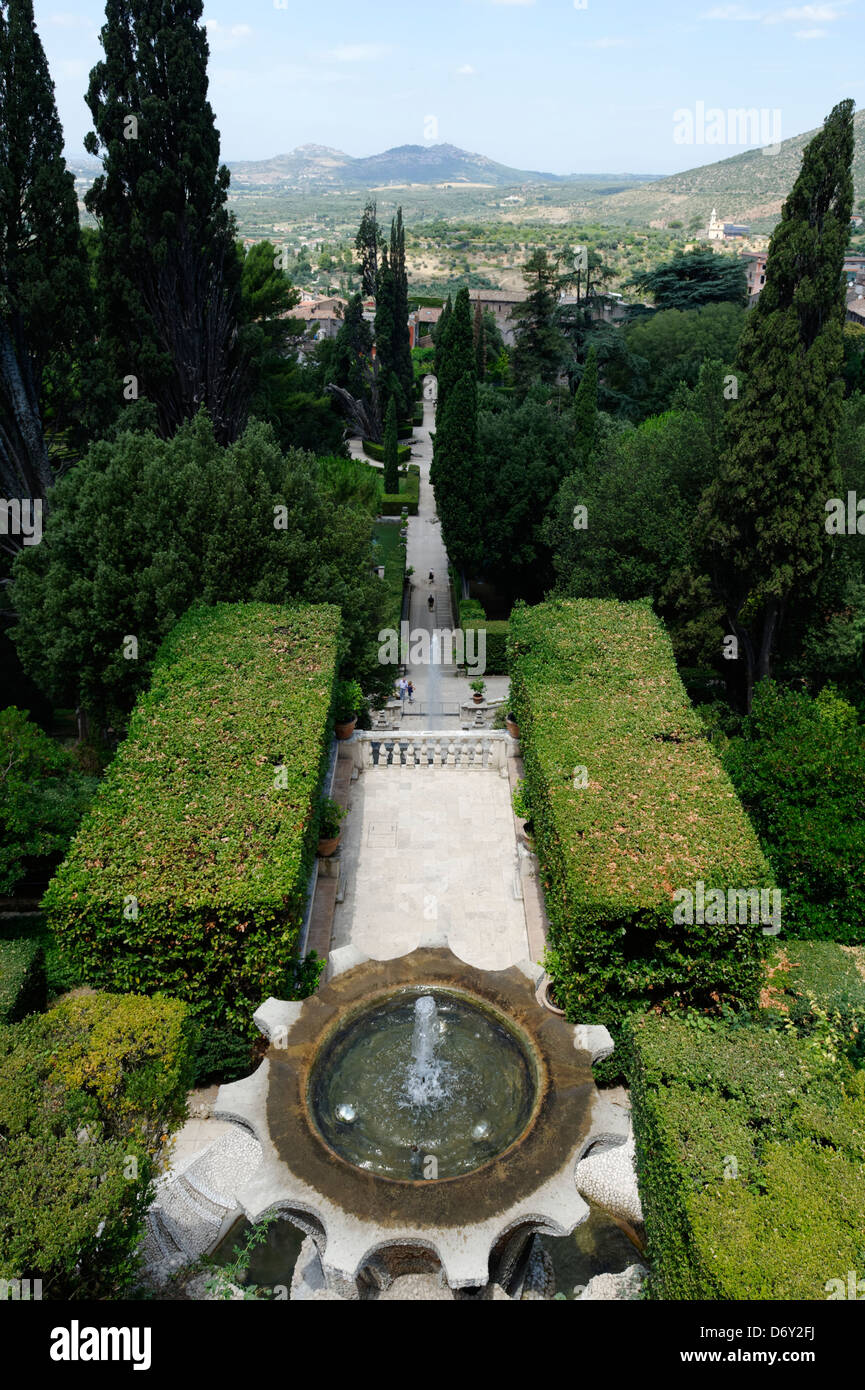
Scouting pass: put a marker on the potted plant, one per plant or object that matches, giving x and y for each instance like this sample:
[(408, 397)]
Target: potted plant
[(330, 814), (348, 704), (546, 996), (478, 687)]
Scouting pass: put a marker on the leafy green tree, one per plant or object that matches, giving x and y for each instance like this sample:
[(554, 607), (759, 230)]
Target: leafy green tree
[(391, 450), (669, 347), (42, 796), (800, 771), (43, 266), (586, 409), (694, 278), (540, 349), (169, 276), (762, 520), (143, 527)]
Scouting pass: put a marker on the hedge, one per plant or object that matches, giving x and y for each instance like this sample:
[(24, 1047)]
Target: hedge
[(189, 874), (376, 451), (594, 686), (392, 504), (23, 984), (496, 644), (750, 1147), (88, 1091)]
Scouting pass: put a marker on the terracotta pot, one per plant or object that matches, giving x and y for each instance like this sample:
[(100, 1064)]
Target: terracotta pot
[(345, 729), (478, 699), (512, 727), (327, 847)]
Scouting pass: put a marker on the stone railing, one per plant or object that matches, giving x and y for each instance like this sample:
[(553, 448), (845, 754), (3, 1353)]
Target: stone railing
[(488, 748)]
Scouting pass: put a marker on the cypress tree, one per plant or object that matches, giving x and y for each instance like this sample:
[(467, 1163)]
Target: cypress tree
[(386, 334), (439, 333), (391, 450), (586, 409), (455, 353), (403, 365), (368, 244), (168, 271), (43, 267), (480, 343), (458, 482), (764, 518)]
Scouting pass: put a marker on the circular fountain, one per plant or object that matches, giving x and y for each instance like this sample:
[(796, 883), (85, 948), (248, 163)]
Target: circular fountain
[(420, 1087), (419, 1114)]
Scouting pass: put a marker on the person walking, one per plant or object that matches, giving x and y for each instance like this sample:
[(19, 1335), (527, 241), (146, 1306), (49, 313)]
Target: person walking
[(410, 689), (431, 577), (431, 603)]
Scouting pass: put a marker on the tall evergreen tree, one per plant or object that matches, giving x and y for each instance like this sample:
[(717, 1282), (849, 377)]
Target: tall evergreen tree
[(368, 243), (386, 333), (439, 333), (43, 267), (540, 349), (480, 343), (586, 409), (402, 363), (458, 482), (455, 350), (764, 518), (391, 450), (169, 275)]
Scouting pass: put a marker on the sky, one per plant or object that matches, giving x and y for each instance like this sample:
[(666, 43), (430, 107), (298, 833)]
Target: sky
[(563, 86)]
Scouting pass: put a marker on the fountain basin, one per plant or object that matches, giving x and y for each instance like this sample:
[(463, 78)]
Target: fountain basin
[(419, 1086)]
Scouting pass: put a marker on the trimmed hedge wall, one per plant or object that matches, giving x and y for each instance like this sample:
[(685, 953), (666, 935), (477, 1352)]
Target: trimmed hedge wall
[(391, 504), (819, 987), (23, 983), (594, 685), (497, 643), (189, 874), (87, 1093), (376, 451), (785, 1121)]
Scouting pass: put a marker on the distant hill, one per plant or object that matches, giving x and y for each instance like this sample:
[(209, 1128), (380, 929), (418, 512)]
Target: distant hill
[(749, 187), (319, 166)]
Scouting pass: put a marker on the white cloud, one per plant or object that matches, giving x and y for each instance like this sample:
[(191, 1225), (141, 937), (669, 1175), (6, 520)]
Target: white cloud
[(811, 34), (359, 52), (466, 71), (816, 14), (223, 37), (734, 13)]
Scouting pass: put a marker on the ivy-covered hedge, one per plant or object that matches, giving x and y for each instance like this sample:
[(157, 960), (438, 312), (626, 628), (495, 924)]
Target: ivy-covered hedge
[(87, 1093), (189, 874), (594, 687), (376, 451), (23, 984), (409, 495), (818, 987), (750, 1152)]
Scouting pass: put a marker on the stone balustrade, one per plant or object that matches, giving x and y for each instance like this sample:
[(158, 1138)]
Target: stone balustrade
[(487, 748)]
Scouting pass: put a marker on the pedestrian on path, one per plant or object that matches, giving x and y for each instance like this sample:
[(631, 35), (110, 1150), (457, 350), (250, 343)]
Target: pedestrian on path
[(431, 577), (410, 689), (431, 603)]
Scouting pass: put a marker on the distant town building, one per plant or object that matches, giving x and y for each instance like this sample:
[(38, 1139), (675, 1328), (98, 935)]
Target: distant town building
[(856, 300), (501, 303), (725, 231), (322, 315), (755, 272)]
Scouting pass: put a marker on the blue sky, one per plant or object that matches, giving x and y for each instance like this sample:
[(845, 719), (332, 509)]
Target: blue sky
[(543, 84)]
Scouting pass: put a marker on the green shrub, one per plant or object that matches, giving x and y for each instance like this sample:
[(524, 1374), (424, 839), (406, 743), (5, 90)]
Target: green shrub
[(594, 687), (819, 988), (750, 1148), (471, 608), (376, 451), (496, 643), (23, 984), (42, 796), (392, 504), (189, 874), (88, 1091), (799, 767)]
